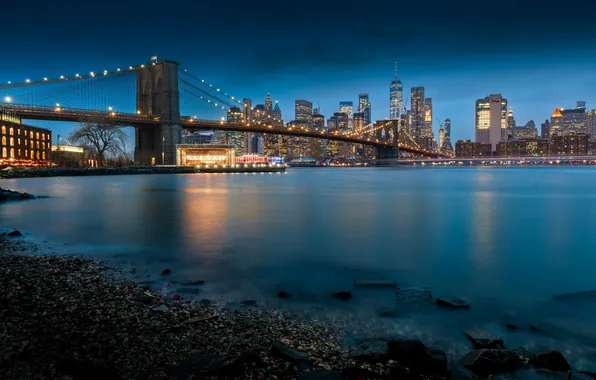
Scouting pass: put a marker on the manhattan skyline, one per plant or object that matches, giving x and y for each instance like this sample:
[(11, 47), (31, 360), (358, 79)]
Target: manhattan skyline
[(535, 67)]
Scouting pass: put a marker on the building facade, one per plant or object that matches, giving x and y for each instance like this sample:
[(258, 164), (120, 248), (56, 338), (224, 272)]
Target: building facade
[(417, 111), (348, 109), (303, 111), (467, 148), (591, 123), (396, 97), (447, 127), (23, 145), (491, 120), (427, 130), (364, 108), (574, 119)]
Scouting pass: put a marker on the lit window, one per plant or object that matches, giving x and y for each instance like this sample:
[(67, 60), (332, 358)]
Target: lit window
[(43, 145), (11, 152), (31, 144), (3, 130), (18, 141), (37, 136), (12, 141), (26, 153), (31, 134), (19, 132), (38, 155), (32, 155), (26, 142), (4, 152), (43, 155), (12, 131), (19, 153), (37, 145), (43, 136)]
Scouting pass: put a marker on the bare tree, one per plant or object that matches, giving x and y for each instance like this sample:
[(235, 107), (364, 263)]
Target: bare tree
[(101, 138)]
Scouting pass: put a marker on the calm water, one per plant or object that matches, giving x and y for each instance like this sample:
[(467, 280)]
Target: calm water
[(506, 239)]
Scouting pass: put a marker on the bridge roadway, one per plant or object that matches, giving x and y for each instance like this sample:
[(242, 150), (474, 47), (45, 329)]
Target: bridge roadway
[(58, 113)]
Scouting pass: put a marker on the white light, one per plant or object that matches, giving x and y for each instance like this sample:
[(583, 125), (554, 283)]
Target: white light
[(109, 108), (61, 76), (27, 80), (130, 67), (92, 74), (142, 65), (77, 75), (57, 104), (218, 90), (8, 82), (118, 69), (7, 99), (45, 78), (202, 80)]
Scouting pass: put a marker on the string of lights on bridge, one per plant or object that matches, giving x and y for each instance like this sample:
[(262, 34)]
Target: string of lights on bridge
[(215, 88)]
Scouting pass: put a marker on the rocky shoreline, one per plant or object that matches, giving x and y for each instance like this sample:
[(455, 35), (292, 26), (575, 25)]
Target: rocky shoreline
[(79, 318), (67, 317)]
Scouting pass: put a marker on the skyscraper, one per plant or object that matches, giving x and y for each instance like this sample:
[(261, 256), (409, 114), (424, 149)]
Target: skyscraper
[(591, 123), (574, 119), (396, 97), (235, 115), (417, 108), (247, 110), (348, 109), (545, 129), (510, 119), (491, 120), (303, 111), (276, 116), (427, 130), (556, 122), (364, 108), (268, 104), (447, 127)]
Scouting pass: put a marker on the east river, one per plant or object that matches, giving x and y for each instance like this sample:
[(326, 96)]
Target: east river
[(505, 239)]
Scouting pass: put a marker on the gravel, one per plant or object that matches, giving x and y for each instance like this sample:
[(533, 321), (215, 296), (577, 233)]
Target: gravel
[(73, 318)]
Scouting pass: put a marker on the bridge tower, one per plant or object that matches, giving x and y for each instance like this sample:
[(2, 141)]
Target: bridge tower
[(388, 155), (158, 96)]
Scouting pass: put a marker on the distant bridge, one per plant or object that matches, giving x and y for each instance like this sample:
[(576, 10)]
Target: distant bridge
[(157, 119)]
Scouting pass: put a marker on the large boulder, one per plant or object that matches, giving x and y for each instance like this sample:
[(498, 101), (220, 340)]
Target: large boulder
[(414, 354), (524, 355), (552, 361), (483, 339), (452, 303), (487, 362), (283, 352), (374, 352)]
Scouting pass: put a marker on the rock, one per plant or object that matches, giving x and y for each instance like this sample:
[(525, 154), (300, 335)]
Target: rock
[(511, 326), (375, 284), (412, 353), (552, 361), (461, 373), (388, 312), (161, 308), (452, 303), (524, 355), (15, 233), (343, 295), (193, 282), (166, 272), (144, 298), (483, 339), (284, 294), (588, 295), (413, 295), (374, 352), (285, 353), (250, 303), (204, 302), (321, 375), (486, 362)]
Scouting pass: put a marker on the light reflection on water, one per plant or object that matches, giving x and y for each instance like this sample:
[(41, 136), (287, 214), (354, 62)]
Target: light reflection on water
[(506, 239)]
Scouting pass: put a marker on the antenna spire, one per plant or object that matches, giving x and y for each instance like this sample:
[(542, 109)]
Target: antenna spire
[(395, 69)]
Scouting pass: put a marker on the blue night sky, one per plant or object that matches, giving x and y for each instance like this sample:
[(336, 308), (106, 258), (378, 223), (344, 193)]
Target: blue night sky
[(325, 52)]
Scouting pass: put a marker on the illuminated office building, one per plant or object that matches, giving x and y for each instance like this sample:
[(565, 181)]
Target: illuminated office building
[(396, 97), (348, 109), (364, 108), (303, 111), (417, 111), (491, 120)]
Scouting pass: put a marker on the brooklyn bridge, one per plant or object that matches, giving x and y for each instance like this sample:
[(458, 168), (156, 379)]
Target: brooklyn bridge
[(154, 98)]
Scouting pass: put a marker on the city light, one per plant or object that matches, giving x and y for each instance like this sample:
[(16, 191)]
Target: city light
[(7, 99)]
